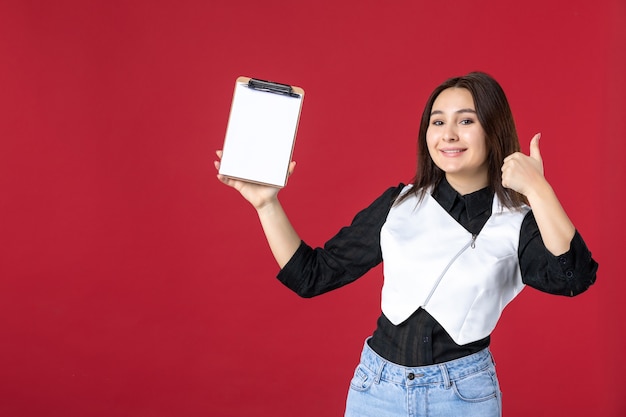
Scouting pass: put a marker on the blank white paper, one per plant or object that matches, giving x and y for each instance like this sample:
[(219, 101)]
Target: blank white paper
[(260, 136)]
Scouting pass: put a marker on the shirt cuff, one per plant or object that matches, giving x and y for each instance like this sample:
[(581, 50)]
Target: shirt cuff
[(290, 274), (572, 265)]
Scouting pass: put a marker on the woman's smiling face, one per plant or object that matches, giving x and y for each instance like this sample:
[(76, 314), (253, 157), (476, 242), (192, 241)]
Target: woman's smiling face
[(456, 140)]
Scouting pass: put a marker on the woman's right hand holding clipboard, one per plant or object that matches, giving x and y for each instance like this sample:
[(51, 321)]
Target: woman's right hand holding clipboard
[(256, 194)]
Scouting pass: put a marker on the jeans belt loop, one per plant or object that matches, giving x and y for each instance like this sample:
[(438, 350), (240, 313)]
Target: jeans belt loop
[(379, 371), (446, 376)]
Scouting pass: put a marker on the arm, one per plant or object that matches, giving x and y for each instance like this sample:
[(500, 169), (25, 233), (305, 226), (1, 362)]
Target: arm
[(569, 273), (347, 256), (524, 174), (281, 236), (553, 256), (343, 259)]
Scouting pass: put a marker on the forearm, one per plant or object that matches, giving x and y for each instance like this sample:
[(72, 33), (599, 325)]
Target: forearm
[(554, 225), (568, 274), (281, 236), (345, 257)]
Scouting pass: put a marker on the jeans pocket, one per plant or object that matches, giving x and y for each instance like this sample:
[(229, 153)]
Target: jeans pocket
[(477, 387), (362, 379)]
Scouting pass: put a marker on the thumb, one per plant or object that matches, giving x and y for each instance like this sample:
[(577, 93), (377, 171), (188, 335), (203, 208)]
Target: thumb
[(534, 147), (292, 166)]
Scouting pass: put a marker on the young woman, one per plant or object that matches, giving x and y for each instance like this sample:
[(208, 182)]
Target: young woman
[(478, 222)]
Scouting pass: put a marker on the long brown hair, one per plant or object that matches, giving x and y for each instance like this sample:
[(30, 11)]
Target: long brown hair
[(496, 118)]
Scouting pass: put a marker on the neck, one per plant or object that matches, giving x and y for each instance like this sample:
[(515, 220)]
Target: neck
[(466, 185)]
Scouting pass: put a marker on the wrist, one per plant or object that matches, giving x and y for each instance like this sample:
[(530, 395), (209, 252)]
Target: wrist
[(540, 191), (267, 206)]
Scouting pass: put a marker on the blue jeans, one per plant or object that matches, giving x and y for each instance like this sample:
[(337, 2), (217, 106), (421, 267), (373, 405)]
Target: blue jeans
[(463, 387)]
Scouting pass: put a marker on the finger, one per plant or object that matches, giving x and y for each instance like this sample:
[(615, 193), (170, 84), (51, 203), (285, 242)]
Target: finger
[(512, 156), (534, 147), (218, 162), (505, 182), (228, 181), (292, 167)]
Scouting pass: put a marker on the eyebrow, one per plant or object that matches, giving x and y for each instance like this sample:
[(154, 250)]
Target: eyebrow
[(458, 111)]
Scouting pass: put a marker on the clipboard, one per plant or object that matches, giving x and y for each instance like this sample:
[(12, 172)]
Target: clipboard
[(261, 131)]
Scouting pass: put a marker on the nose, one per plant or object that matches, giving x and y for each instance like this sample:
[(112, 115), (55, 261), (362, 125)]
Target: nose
[(449, 134)]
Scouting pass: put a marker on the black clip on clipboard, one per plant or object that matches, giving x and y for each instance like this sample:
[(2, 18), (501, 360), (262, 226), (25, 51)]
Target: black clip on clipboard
[(261, 131), (272, 87)]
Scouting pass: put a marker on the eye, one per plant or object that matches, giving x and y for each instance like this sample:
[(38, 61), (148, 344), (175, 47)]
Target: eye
[(467, 121), (437, 123)]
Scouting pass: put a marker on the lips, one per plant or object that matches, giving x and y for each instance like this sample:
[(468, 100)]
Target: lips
[(452, 152)]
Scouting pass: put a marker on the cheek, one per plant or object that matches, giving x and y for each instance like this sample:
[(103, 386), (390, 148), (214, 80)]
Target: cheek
[(430, 143), (483, 150), (431, 150), (478, 143)]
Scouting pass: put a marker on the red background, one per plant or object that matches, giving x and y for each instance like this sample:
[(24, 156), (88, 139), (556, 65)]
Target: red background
[(133, 283)]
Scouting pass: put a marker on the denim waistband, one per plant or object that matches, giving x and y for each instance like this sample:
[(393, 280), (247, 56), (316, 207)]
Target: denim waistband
[(421, 375)]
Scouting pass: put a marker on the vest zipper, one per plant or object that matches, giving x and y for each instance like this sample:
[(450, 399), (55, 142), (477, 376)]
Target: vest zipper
[(471, 243)]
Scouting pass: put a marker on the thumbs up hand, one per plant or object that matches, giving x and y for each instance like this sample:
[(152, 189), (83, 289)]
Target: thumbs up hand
[(523, 173)]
